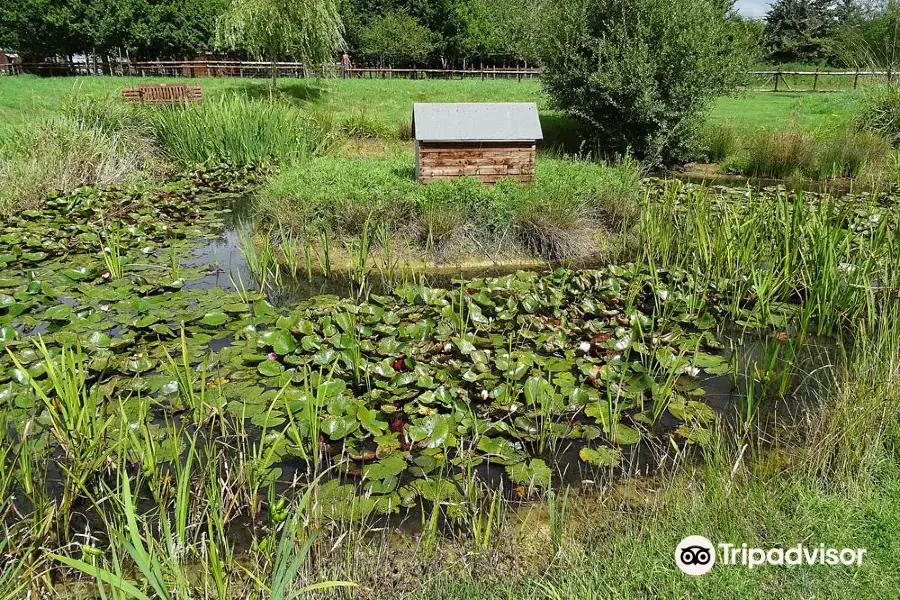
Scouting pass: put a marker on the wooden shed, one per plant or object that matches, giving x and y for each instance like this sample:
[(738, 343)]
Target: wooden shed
[(487, 141)]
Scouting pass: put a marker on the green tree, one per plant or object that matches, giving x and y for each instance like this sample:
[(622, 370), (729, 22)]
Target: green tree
[(41, 28), (396, 36), (494, 28), (798, 30), (640, 72), (143, 28), (309, 30), (872, 43)]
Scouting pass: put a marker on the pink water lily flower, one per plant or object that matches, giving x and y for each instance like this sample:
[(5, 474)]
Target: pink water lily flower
[(272, 356)]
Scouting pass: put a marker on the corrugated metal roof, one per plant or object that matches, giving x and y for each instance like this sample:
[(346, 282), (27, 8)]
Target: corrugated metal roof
[(477, 122)]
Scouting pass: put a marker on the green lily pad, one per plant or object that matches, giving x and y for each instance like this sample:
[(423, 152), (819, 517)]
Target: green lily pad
[(600, 457), (434, 430), (282, 342), (270, 368), (215, 319), (392, 466), (535, 473)]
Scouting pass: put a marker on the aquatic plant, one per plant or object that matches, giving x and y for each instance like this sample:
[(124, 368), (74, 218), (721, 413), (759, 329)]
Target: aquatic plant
[(240, 130)]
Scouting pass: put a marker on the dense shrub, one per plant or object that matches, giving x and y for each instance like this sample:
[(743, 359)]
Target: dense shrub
[(641, 72), (339, 194)]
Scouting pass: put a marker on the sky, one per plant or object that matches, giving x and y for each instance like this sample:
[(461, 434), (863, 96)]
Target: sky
[(753, 8)]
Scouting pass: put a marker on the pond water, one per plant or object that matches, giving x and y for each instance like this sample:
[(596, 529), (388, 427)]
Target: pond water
[(524, 379)]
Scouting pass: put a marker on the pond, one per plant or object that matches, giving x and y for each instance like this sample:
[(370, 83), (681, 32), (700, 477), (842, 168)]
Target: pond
[(153, 340)]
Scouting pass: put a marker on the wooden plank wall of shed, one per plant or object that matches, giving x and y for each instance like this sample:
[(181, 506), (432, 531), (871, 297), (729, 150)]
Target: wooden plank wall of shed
[(488, 162)]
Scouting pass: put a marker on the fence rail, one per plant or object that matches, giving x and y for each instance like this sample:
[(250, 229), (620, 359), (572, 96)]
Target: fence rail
[(780, 80), (252, 69)]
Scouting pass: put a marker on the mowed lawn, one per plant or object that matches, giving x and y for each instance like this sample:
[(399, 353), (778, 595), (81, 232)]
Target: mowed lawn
[(27, 99)]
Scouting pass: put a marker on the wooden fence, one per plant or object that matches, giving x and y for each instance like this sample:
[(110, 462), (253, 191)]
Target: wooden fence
[(218, 68), (775, 80), (781, 81), (253, 69)]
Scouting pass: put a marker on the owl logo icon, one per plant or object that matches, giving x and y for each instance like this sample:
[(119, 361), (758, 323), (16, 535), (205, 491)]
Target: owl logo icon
[(695, 555)]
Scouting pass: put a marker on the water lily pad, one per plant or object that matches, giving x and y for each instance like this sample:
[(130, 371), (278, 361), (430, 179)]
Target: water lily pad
[(282, 342), (215, 319), (392, 466), (60, 312), (369, 420), (625, 435), (434, 430), (600, 457), (270, 368), (535, 473), (339, 427), (7, 334), (98, 339)]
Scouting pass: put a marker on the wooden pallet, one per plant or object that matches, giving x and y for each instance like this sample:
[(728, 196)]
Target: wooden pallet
[(163, 93)]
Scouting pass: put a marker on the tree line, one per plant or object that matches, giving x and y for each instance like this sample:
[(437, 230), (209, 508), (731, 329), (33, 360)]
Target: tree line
[(411, 32), (858, 33), (388, 31)]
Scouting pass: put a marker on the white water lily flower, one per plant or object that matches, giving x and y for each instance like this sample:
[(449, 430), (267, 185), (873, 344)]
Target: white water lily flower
[(104, 307), (585, 347), (484, 394), (106, 249), (448, 347), (514, 408), (690, 370)]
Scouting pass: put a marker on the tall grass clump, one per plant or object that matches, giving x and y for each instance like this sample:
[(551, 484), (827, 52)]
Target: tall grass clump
[(719, 141), (95, 142), (404, 130), (879, 111), (240, 130), (857, 429), (361, 125), (848, 153), (780, 153)]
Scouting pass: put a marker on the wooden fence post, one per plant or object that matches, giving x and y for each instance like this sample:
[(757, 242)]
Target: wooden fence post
[(816, 79), (777, 77), (856, 79)]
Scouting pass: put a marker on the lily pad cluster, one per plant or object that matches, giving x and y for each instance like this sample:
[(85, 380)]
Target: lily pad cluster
[(402, 393), (432, 381)]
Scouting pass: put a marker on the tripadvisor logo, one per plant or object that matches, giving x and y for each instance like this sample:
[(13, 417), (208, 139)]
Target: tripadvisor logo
[(696, 555)]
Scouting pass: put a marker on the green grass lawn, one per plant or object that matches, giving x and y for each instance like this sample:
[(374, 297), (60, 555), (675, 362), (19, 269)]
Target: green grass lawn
[(808, 111), (27, 98)]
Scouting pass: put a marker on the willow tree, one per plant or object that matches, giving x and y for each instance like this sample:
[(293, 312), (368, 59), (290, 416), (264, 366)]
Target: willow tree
[(309, 30)]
